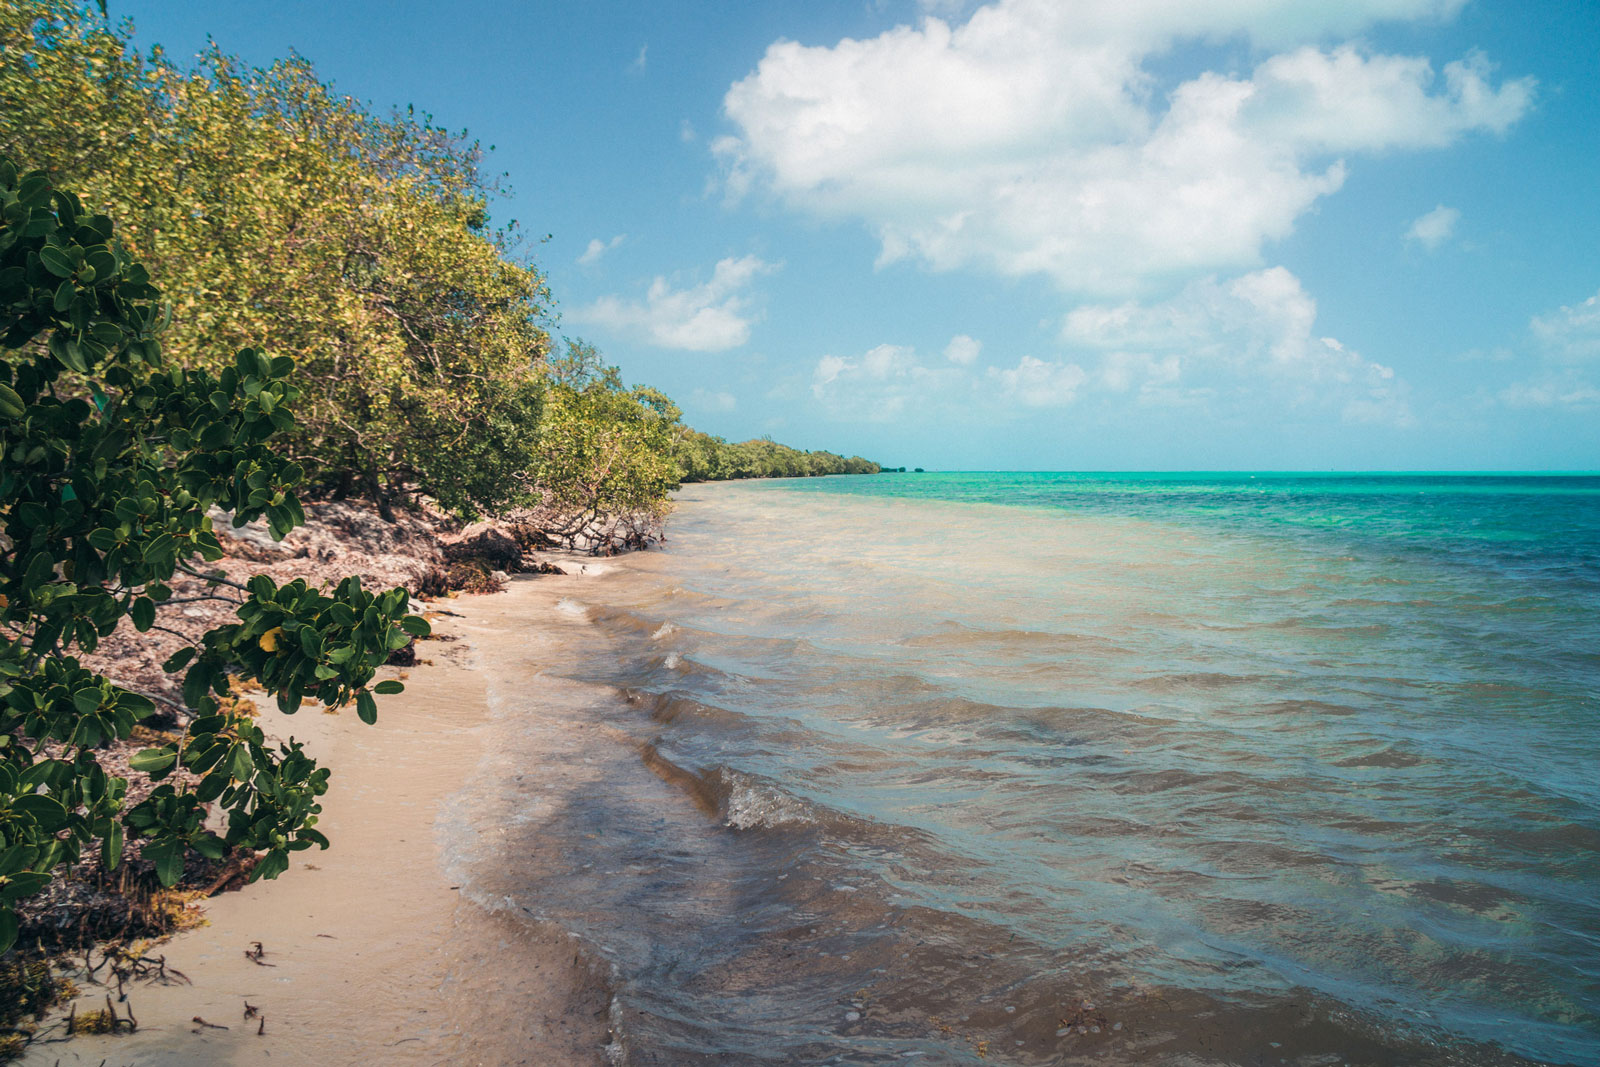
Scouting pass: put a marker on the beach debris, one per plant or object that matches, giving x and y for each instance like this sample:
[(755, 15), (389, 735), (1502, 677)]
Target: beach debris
[(255, 953), (201, 1024), (261, 1028), (133, 963), (99, 1021), (250, 1010), (1087, 1019)]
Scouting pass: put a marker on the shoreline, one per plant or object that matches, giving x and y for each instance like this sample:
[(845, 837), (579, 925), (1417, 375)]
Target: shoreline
[(369, 946)]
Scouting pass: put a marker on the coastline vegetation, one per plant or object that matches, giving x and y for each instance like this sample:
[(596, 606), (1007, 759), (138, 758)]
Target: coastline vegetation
[(283, 215), (113, 457), (336, 319), (704, 458)]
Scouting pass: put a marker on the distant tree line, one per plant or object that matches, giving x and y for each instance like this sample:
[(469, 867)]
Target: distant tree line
[(703, 458), (283, 215)]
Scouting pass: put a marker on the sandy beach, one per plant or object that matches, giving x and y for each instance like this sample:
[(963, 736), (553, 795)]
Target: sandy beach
[(370, 953)]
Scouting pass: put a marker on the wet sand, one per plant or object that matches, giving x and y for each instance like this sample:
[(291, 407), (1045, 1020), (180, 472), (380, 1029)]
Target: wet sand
[(371, 955)]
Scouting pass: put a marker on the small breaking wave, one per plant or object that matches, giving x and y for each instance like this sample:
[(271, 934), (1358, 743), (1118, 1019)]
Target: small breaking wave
[(750, 804)]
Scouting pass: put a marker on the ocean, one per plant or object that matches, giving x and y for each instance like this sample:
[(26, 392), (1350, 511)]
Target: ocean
[(1048, 768)]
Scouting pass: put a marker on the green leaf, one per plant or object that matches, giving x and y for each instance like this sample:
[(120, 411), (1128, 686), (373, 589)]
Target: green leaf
[(153, 759), (272, 864), (11, 405), (143, 613), (389, 688), (211, 846), (111, 846), (56, 261), (178, 660), (45, 810), (100, 258), (167, 855), (136, 705), (416, 626), (23, 884), (212, 786), (366, 707), (16, 858), (8, 928)]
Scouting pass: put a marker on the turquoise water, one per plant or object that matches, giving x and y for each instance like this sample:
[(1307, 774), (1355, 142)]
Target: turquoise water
[(1258, 767)]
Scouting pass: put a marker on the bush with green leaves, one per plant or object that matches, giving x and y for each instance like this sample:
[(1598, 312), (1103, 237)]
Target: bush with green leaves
[(109, 461), (281, 213), (604, 463)]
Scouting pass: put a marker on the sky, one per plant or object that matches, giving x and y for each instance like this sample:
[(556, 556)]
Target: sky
[(1036, 234)]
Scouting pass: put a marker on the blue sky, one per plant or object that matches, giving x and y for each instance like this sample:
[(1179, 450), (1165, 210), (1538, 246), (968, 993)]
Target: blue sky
[(1038, 234)]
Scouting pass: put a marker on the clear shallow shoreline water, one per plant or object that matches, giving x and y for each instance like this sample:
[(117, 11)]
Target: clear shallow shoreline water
[(1299, 766)]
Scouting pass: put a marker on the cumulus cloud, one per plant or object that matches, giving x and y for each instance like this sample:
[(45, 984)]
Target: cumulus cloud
[(1241, 346), (1567, 340), (710, 317), (1558, 392), (1038, 384), (1251, 336), (1434, 228), (962, 349), (1028, 140), (598, 248), (1570, 333), (882, 385), (888, 383)]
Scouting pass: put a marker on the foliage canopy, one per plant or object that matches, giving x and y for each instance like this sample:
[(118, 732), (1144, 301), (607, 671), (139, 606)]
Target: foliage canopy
[(277, 211), (112, 457)]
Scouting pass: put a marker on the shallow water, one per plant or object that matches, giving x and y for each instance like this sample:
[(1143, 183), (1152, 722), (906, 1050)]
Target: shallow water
[(1023, 768)]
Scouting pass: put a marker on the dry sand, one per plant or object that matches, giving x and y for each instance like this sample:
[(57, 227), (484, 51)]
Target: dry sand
[(374, 957)]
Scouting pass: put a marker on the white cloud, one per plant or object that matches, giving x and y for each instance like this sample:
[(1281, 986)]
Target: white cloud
[(1028, 139), (962, 349), (889, 383), (1038, 384), (1567, 339), (1243, 347), (640, 60), (710, 317), (882, 385), (598, 248), (1434, 228), (1253, 336), (704, 400), (1570, 333), (1550, 393)]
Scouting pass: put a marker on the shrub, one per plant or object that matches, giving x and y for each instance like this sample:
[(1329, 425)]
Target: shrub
[(111, 459)]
